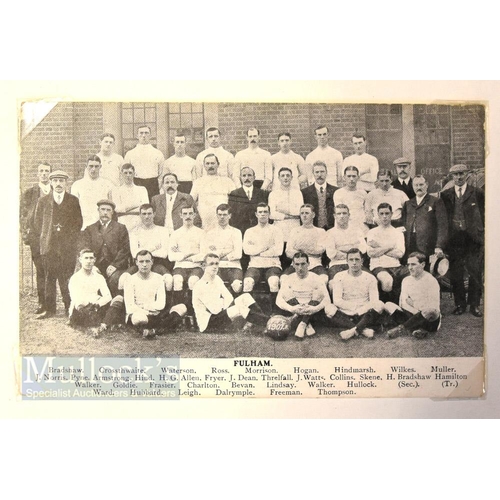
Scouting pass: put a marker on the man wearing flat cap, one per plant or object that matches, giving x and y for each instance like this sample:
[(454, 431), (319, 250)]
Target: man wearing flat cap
[(57, 224), (403, 181), (109, 241), (465, 207)]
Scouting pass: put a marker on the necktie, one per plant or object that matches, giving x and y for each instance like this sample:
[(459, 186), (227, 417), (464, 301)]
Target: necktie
[(321, 190), (248, 194), (459, 192)]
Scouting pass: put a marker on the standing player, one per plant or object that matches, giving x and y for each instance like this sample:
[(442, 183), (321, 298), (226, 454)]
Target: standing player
[(259, 160), (353, 197), (287, 158), (180, 164), (224, 158), (326, 154), (148, 162), (110, 162), (366, 164)]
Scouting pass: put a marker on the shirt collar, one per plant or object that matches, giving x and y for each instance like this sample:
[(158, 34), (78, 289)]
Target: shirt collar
[(44, 187), (464, 187), (318, 187)]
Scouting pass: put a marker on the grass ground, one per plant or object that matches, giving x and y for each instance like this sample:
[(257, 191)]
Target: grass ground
[(458, 336)]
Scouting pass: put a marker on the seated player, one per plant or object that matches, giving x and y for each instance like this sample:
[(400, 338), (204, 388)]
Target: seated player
[(385, 193), (356, 303), (110, 243), (386, 245), (91, 304), (145, 299), (302, 294), (184, 251), (419, 309), (264, 244), (339, 239), (214, 306), (226, 242), (310, 240), (148, 236)]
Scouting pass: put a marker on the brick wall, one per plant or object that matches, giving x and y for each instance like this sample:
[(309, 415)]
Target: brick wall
[(65, 138), (298, 119), (88, 126), (51, 140), (468, 135)]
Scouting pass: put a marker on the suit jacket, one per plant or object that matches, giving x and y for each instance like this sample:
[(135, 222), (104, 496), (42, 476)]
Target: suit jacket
[(310, 196), (407, 189), (473, 205), (111, 245), (70, 228), (243, 209), (29, 201), (181, 201), (431, 223)]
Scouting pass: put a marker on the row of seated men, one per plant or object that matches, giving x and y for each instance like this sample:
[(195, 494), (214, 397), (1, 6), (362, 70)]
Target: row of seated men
[(302, 297)]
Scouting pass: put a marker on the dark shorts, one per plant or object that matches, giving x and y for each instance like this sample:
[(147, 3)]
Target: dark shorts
[(230, 274), (333, 270), (398, 273), (400, 317), (218, 322), (258, 274), (186, 273), (319, 270)]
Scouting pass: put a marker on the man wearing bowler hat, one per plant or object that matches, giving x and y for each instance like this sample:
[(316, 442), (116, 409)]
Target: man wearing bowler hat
[(109, 241), (403, 182), (57, 224), (465, 207)]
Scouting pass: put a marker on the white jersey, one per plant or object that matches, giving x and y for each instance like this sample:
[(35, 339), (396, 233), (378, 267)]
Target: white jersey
[(424, 292), (333, 161), (111, 167), (264, 245), (352, 292), (338, 241), (89, 192), (368, 169), (182, 166), (147, 161), (208, 193), (291, 160), (386, 237), (310, 240)]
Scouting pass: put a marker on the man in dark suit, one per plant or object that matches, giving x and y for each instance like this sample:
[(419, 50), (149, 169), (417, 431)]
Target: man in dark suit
[(244, 200), (109, 241), (465, 207), (403, 181), (57, 224), (425, 221), (169, 204), (29, 201), (320, 196)]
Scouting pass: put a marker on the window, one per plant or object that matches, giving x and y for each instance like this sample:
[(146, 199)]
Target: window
[(135, 114), (188, 117)]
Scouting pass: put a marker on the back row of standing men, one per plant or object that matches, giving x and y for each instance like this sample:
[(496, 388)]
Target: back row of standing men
[(211, 181)]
